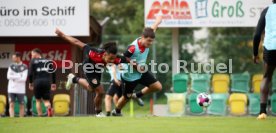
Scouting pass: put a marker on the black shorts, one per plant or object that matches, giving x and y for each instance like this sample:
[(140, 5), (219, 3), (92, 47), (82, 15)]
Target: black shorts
[(92, 73), (94, 79), (146, 80), (14, 96), (42, 89), (114, 89), (270, 57)]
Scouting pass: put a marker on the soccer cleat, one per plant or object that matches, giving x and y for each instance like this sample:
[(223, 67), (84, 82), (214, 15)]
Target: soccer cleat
[(139, 101), (262, 116), (114, 113), (50, 112), (69, 81), (101, 114), (108, 114)]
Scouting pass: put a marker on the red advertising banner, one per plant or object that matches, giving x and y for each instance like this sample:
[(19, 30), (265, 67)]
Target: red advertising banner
[(55, 52)]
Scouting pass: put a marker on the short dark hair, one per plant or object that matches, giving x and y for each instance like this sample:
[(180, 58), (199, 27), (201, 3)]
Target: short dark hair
[(37, 50), (110, 47), (148, 32), (17, 54)]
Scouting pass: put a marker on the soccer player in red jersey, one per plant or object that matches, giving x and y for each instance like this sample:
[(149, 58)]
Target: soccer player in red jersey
[(95, 59)]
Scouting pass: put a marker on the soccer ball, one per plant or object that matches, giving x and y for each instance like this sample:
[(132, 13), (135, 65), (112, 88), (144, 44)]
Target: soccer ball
[(203, 99)]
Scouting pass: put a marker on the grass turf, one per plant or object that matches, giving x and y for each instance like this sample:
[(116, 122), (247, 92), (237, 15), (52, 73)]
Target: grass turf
[(138, 125)]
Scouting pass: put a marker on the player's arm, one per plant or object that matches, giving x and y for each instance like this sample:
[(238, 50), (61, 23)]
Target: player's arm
[(258, 34), (126, 57), (53, 76), (156, 23), (30, 75), (70, 39), (123, 59), (129, 52), (24, 75), (53, 85), (114, 73), (11, 75)]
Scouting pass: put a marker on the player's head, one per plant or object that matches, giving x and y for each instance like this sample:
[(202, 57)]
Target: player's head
[(110, 52), (148, 36), (36, 53), (16, 57)]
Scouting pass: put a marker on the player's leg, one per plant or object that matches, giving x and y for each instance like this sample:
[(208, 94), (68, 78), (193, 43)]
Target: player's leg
[(118, 94), (11, 109), (91, 83), (94, 80), (152, 85), (22, 110), (38, 97), (48, 105), (108, 98), (265, 85), (46, 95), (115, 99), (11, 101), (38, 107), (121, 103), (84, 83), (127, 87), (72, 79), (21, 101), (99, 90), (269, 57), (108, 104)]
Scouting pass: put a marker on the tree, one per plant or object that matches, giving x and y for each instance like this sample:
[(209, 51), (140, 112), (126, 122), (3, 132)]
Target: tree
[(235, 44)]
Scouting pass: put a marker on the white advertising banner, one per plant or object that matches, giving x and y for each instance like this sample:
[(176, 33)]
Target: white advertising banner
[(6, 51), (41, 17), (205, 13)]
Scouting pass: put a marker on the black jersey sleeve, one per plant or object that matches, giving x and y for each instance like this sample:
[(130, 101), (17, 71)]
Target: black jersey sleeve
[(86, 49), (30, 74), (53, 74), (121, 59), (258, 33), (130, 51), (98, 50), (54, 78)]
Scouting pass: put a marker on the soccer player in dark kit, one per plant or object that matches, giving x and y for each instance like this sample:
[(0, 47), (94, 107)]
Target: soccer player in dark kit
[(42, 80)]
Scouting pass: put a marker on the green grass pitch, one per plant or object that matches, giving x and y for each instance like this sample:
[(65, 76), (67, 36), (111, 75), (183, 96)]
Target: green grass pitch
[(150, 124)]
